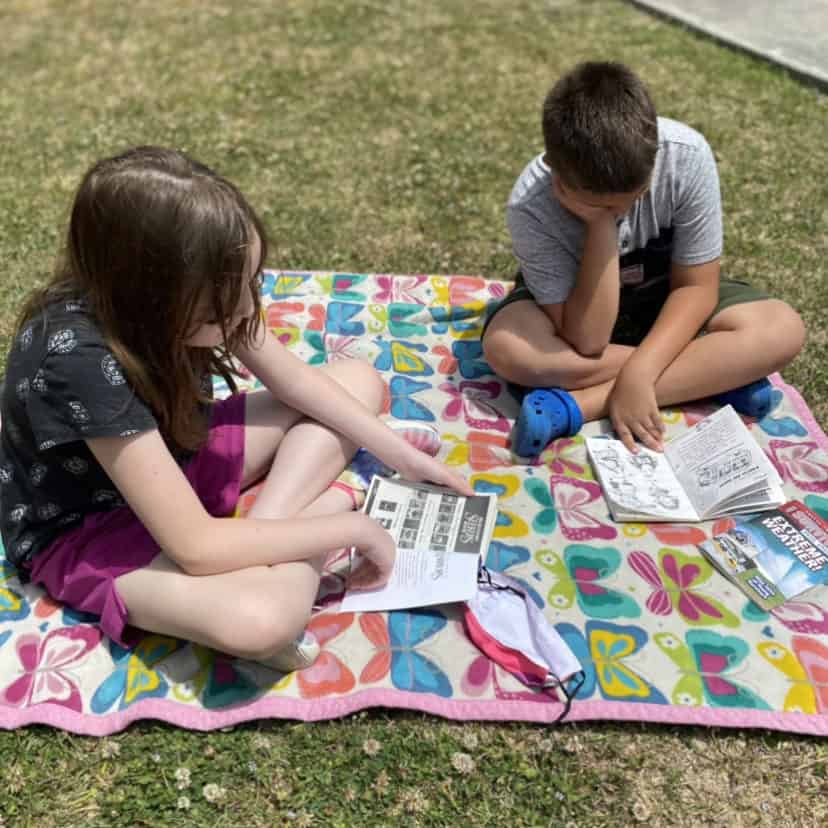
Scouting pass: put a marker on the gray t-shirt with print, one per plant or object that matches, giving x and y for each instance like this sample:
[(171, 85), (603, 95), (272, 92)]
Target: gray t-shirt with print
[(679, 217)]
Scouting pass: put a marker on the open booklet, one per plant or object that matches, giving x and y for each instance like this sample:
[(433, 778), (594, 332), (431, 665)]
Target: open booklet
[(716, 468), (773, 557), (440, 537)]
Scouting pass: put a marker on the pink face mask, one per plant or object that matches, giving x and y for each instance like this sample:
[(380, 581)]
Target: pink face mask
[(505, 623)]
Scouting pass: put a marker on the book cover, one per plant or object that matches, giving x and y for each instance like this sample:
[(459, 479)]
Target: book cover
[(773, 557)]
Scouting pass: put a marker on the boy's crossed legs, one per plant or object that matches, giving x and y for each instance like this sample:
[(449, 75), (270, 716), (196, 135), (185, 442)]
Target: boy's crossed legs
[(257, 612), (743, 343)]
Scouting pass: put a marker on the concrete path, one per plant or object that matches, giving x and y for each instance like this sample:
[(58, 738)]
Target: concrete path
[(791, 33)]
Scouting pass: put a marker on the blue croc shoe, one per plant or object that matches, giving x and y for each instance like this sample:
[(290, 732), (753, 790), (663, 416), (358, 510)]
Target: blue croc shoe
[(545, 414), (752, 400)]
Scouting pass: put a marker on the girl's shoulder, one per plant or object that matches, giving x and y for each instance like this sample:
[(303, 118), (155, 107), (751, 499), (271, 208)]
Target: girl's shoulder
[(59, 327), (61, 337)]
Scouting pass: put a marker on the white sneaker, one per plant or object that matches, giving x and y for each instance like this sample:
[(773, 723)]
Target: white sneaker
[(424, 437), (297, 655)]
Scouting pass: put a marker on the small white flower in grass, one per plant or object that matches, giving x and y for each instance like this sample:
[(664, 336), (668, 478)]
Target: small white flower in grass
[(213, 793), (462, 762), (156, 757), (110, 749), (470, 740), (382, 782), (182, 778), (371, 747), (413, 801), (183, 803)]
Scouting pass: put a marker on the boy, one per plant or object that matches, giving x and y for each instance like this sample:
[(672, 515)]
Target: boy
[(618, 232)]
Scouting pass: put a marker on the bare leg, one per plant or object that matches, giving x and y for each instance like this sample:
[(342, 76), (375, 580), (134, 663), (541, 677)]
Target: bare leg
[(300, 457), (743, 343), (255, 612), (522, 346)]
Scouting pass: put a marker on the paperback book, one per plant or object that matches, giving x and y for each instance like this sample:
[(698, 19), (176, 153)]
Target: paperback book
[(773, 557), (714, 469)]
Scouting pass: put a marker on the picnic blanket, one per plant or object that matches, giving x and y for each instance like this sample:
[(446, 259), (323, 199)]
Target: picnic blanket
[(663, 638)]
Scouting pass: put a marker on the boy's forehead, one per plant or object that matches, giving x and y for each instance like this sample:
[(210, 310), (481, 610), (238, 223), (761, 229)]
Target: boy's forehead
[(606, 199)]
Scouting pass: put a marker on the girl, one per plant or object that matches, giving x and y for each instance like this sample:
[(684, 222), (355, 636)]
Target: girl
[(118, 471)]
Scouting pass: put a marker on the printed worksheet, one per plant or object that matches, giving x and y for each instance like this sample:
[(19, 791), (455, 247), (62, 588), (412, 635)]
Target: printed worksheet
[(440, 537)]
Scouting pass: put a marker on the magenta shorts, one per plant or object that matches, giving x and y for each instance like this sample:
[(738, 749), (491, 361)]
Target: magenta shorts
[(80, 567)]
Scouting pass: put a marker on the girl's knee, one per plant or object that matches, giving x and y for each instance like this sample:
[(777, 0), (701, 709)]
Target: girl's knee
[(362, 381), (374, 388), (262, 626)]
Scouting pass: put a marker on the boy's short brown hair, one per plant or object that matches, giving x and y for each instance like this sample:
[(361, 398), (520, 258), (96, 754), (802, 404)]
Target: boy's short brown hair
[(600, 129)]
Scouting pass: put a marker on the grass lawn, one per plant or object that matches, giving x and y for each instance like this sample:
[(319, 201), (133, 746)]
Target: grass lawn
[(385, 136)]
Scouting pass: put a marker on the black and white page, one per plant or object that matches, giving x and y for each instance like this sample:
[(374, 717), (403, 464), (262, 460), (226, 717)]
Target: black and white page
[(639, 486), (440, 537), (722, 467)]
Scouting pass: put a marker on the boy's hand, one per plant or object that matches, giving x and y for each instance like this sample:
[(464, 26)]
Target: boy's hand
[(587, 214), (634, 412)]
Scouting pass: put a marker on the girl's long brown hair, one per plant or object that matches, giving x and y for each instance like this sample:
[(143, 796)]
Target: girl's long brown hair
[(153, 237)]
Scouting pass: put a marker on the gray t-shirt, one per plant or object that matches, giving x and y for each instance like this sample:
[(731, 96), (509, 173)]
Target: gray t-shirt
[(680, 214)]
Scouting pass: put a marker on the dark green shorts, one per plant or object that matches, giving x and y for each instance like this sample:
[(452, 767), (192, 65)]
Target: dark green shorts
[(639, 309)]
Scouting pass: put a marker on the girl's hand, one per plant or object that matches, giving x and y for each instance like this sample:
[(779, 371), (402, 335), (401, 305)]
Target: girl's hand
[(378, 552), (419, 467), (634, 412)]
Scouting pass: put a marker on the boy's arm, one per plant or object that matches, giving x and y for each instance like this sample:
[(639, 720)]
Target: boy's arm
[(633, 407), (586, 319), (694, 291)]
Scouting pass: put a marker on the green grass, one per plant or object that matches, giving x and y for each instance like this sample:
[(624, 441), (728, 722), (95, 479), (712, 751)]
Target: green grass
[(385, 136)]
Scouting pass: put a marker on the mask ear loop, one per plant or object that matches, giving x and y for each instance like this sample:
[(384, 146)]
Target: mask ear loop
[(484, 578), (569, 694)]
